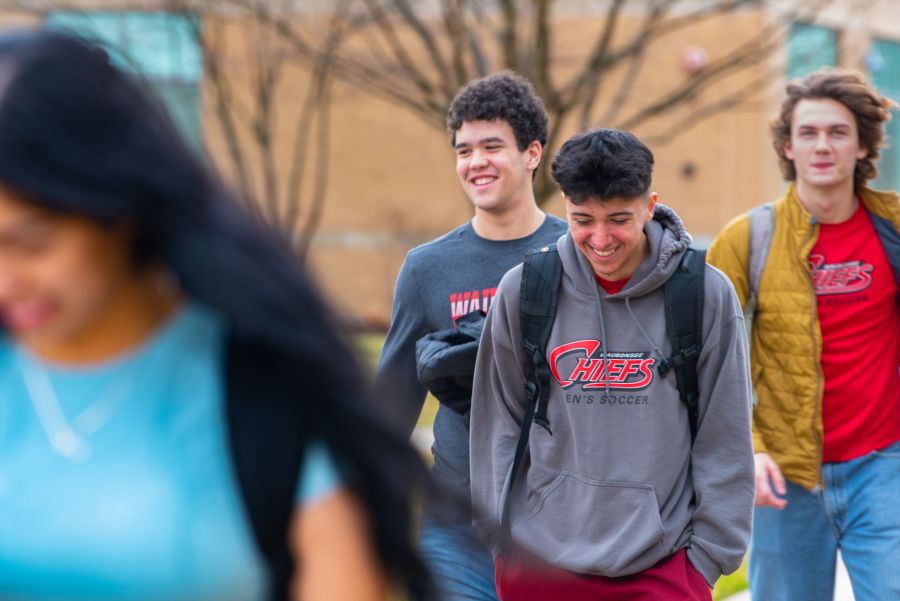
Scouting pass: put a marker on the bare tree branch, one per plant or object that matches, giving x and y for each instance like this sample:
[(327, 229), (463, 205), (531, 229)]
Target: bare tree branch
[(746, 93), (544, 185), (211, 52), (320, 177), (657, 24), (456, 33), (743, 95), (509, 35), (542, 52), (592, 81), (601, 59), (314, 109), (403, 60), (473, 37), (267, 67), (688, 89), (624, 91), (427, 38), (750, 52), (372, 77)]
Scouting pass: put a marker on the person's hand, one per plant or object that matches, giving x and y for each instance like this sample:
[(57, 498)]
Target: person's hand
[(769, 481)]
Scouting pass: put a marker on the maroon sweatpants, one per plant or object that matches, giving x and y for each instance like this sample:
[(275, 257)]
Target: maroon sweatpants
[(672, 579)]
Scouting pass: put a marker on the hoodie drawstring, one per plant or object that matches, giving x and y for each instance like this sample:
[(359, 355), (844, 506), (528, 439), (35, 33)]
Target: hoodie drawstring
[(656, 349), (603, 342)]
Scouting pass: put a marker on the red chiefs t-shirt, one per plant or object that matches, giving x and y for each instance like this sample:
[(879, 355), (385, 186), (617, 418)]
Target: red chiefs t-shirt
[(857, 299)]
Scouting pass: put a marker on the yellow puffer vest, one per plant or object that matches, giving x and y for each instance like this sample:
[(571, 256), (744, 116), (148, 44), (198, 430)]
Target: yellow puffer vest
[(786, 342)]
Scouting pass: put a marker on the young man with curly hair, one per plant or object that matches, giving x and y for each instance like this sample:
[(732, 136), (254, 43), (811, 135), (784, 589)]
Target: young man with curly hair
[(619, 498), (825, 350), (498, 128)]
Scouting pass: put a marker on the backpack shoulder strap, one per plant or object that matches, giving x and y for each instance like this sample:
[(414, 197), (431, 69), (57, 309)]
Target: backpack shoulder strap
[(684, 320), (538, 294), (762, 226), (541, 273), (267, 436)]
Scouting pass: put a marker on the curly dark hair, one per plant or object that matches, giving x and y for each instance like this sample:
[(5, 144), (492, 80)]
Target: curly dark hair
[(603, 164), (870, 109), (504, 95)]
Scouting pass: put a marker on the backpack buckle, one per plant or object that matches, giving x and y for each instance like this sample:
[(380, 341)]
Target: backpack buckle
[(543, 422), (531, 391), (677, 360), (663, 367)]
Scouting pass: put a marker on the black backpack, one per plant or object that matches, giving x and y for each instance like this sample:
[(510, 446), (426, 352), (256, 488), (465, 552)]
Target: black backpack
[(541, 275)]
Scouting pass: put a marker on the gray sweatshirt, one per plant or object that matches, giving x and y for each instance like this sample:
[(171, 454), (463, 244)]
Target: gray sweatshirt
[(617, 487), (438, 282)]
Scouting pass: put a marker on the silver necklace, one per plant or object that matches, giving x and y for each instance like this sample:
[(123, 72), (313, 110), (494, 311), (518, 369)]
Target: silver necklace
[(69, 438)]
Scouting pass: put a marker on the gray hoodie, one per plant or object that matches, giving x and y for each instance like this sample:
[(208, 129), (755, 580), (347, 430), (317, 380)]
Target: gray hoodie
[(617, 486)]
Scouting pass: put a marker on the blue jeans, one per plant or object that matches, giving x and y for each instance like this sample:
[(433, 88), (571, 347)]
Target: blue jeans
[(793, 550), (462, 568)]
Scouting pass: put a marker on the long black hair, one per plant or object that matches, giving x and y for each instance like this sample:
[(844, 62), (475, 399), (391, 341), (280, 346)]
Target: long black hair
[(79, 136)]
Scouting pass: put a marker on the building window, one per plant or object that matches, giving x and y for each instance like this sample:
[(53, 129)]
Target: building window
[(810, 47), (883, 61), (161, 48)]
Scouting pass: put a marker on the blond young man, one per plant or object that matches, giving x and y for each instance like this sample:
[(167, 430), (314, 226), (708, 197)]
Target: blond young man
[(824, 350)]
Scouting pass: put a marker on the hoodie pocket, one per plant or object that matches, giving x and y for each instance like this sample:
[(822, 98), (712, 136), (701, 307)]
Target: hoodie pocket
[(594, 527)]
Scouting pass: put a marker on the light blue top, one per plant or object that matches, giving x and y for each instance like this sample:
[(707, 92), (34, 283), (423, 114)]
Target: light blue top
[(148, 507)]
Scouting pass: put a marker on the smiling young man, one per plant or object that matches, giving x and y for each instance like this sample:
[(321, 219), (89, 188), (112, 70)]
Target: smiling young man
[(824, 350), (498, 128), (616, 502)]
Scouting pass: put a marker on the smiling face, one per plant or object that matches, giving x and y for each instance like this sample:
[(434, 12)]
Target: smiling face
[(610, 233), (824, 145), (494, 173), (58, 273)]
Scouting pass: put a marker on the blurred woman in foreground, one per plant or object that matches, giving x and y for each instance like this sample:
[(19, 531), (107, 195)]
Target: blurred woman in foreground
[(178, 419)]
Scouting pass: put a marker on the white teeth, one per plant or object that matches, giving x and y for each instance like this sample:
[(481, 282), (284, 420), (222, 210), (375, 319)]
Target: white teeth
[(480, 181), (604, 253)]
